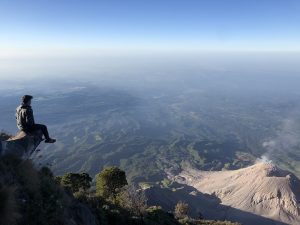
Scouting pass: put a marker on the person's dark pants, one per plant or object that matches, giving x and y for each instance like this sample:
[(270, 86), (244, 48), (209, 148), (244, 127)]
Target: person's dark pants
[(40, 127)]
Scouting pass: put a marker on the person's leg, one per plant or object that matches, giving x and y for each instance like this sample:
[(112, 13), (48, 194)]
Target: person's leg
[(44, 130)]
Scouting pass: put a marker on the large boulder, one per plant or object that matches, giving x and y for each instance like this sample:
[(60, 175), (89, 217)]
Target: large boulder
[(21, 145)]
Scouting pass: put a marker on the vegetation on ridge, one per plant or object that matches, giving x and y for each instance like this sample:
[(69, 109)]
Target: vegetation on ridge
[(35, 197)]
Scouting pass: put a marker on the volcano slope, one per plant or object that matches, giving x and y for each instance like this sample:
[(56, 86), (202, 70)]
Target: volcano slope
[(262, 189)]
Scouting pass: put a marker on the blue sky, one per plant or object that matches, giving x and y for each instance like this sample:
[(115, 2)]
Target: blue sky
[(150, 24)]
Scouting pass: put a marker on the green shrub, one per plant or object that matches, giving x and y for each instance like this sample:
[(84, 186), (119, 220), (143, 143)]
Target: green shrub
[(76, 181), (181, 210), (155, 215), (45, 171), (39, 200), (109, 182), (133, 200)]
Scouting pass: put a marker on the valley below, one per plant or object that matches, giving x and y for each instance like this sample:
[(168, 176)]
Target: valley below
[(155, 132)]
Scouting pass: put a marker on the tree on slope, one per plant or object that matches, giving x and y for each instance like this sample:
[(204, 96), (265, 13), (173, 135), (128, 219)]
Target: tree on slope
[(109, 182), (76, 181)]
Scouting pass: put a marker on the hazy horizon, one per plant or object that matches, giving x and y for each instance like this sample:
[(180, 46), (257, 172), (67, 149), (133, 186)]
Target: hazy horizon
[(96, 39), (114, 65)]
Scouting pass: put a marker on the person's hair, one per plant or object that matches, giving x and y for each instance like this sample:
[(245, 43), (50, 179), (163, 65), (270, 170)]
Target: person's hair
[(26, 98)]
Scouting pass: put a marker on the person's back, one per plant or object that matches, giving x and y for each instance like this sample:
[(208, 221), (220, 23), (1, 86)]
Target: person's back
[(25, 119)]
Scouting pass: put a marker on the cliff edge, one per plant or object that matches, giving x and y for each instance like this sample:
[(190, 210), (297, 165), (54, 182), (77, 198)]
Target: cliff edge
[(22, 145)]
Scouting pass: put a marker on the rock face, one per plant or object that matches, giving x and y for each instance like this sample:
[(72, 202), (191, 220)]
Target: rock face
[(262, 189), (79, 214), (21, 145)]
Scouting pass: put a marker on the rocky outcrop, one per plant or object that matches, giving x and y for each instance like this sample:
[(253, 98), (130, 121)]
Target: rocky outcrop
[(31, 196), (21, 145)]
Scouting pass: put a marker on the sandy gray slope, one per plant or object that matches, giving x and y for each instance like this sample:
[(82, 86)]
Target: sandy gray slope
[(262, 189)]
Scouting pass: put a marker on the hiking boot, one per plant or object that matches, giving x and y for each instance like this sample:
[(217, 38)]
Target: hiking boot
[(50, 140)]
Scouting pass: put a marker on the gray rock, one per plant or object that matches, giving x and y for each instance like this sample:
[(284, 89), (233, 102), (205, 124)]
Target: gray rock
[(79, 214), (21, 145)]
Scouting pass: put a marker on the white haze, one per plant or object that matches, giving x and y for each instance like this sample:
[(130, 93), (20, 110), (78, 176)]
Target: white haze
[(285, 141), (114, 65)]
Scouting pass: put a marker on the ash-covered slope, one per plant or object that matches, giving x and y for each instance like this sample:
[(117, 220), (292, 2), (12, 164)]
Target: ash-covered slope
[(262, 189)]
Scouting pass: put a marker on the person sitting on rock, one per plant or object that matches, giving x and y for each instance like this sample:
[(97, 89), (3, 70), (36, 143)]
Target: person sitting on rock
[(25, 119)]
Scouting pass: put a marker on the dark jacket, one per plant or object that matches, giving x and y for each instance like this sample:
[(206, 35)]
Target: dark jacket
[(24, 116)]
